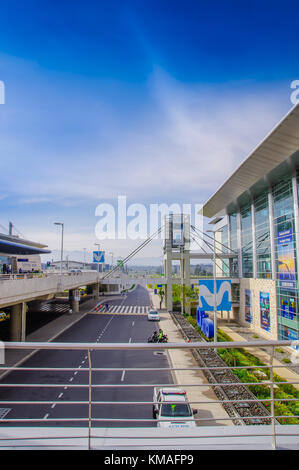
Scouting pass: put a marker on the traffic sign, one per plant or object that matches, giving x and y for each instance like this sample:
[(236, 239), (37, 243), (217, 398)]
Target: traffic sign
[(99, 256)]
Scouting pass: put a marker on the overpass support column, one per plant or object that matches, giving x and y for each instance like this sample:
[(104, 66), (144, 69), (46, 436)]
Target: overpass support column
[(168, 276), (186, 271), (74, 298), (18, 322), (95, 291)]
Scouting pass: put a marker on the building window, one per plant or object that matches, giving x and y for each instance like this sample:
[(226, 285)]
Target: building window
[(246, 241), (262, 236), (285, 257)]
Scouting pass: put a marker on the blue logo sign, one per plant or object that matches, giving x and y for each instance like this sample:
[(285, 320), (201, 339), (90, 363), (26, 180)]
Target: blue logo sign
[(206, 295), (99, 257)]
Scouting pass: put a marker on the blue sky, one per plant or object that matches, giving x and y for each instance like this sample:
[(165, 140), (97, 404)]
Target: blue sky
[(156, 100)]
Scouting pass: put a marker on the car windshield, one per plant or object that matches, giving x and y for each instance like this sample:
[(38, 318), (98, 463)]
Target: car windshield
[(176, 409), (153, 313)]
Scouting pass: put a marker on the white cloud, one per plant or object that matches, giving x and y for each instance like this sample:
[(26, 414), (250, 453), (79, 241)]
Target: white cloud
[(188, 142)]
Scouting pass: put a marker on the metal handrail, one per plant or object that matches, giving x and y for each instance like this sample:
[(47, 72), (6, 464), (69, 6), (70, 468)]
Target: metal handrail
[(155, 346), (90, 347)]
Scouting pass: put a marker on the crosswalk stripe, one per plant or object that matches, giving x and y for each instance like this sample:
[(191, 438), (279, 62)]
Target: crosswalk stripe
[(125, 309)]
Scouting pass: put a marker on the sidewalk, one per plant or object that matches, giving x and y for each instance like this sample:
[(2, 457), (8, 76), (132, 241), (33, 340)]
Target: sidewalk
[(184, 359), (15, 357)]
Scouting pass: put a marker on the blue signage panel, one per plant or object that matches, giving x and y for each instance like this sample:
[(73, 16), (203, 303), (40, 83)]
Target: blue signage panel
[(286, 259), (248, 305), (265, 311), (99, 257), (206, 295)]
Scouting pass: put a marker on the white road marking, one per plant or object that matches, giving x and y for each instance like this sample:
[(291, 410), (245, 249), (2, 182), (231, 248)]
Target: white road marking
[(53, 406), (133, 323), (123, 376), (46, 416), (72, 378), (60, 395)]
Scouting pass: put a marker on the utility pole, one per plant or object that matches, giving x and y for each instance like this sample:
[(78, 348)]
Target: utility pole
[(98, 267), (84, 258), (182, 279), (61, 249)]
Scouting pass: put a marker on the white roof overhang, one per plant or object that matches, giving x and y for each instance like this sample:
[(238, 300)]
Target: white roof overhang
[(278, 147)]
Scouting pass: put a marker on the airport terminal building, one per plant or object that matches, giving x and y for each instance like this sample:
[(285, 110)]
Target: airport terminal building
[(255, 214)]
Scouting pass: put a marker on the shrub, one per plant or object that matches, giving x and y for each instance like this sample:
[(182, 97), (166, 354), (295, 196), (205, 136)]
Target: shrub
[(286, 360)]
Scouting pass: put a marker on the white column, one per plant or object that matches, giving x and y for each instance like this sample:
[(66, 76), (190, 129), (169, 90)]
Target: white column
[(168, 271), (254, 264), (296, 215), (239, 239), (272, 234)]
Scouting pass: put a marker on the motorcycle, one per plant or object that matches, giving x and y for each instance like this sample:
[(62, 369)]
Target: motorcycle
[(154, 339)]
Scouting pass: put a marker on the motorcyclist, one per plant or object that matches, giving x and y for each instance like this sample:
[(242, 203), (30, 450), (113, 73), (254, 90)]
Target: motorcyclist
[(155, 335), (160, 335)]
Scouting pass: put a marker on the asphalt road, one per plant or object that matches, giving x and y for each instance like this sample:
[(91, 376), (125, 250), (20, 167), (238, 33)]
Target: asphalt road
[(99, 328)]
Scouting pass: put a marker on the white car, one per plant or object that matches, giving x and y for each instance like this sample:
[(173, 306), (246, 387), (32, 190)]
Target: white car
[(153, 315), (172, 409)]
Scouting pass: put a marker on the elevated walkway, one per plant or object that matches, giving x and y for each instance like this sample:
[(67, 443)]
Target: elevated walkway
[(24, 288)]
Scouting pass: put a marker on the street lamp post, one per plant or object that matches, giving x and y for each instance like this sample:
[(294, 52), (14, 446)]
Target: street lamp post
[(98, 267), (84, 258), (61, 249), (110, 253)]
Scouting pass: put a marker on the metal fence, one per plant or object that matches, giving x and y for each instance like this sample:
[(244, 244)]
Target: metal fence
[(44, 274), (89, 430)]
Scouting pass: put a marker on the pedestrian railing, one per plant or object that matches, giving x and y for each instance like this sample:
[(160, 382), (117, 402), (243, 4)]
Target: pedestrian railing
[(82, 422), (16, 276)]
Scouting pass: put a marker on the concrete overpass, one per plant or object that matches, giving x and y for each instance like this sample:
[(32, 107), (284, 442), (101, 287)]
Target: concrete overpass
[(18, 289)]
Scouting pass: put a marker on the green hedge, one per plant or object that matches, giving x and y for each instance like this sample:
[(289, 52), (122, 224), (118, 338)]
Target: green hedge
[(241, 357)]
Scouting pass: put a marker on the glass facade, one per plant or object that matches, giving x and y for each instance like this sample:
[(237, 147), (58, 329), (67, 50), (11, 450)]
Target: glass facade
[(262, 236), (284, 254), (284, 244), (246, 241), (285, 259), (5, 262)]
